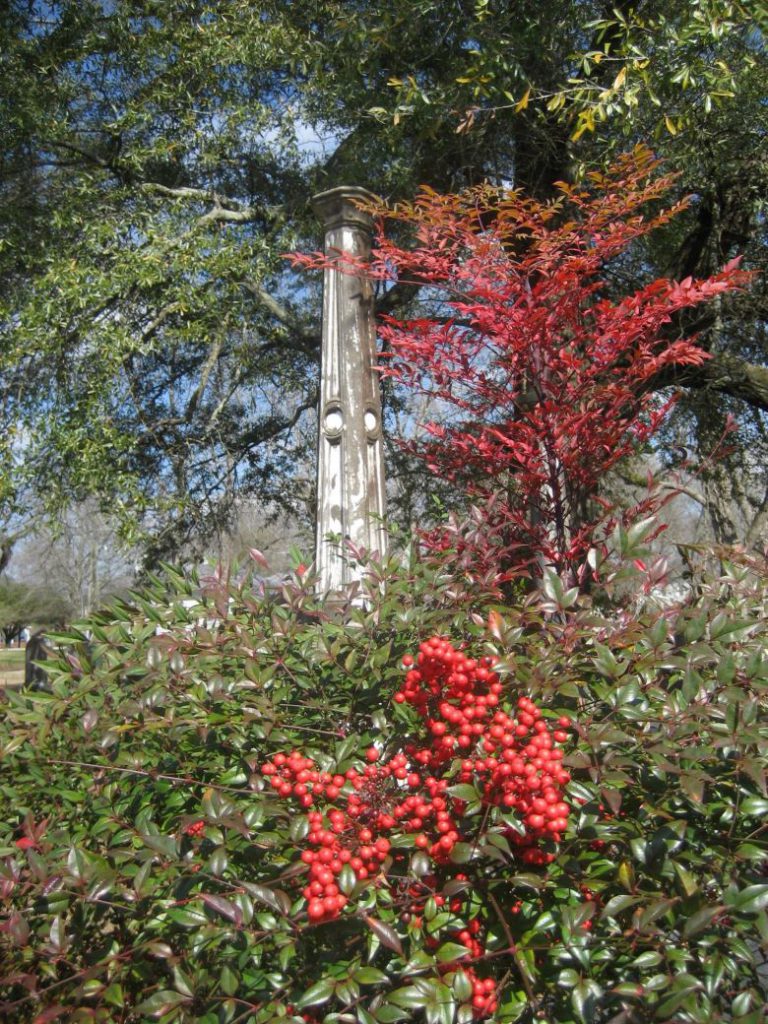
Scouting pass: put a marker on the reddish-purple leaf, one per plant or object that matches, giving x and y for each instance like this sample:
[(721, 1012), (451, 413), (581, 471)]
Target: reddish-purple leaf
[(385, 933), (223, 906)]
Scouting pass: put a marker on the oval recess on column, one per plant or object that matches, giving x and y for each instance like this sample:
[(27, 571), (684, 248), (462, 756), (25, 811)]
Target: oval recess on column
[(372, 425), (333, 422)]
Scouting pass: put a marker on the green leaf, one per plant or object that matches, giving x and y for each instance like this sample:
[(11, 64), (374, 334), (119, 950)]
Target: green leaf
[(748, 901), (754, 806), (275, 898), (627, 989), (188, 917), (463, 791), (455, 886), (535, 882), (568, 978), (347, 879), (616, 904), (182, 982), (317, 994), (648, 959), (420, 864), (161, 1002), (682, 987), (419, 962), (388, 1014), (114, 995), (462, 853), (218, 861), (462, 986), (298, 828), (166, 846), (450, 951), (370, 976), (544, 922), (499, 841), (584, 998), (655, 911), (229, 981), (686, 881), (409, 998), (700, 921)]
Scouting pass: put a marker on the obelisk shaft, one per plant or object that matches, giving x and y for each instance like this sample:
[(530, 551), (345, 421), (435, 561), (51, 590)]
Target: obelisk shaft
[(350, 471)]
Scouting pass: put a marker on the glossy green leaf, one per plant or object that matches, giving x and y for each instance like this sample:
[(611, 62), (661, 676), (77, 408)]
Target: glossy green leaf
[(317, 994), (162, 1002)]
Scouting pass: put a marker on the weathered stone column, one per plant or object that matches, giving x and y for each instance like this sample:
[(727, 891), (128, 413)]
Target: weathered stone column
[(350, 466)]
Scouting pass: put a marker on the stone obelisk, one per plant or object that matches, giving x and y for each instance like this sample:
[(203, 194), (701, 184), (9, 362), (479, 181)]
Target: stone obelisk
[(350, 465)]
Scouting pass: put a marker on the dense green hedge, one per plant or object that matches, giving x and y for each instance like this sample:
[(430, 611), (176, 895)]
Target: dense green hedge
[(118, 905)]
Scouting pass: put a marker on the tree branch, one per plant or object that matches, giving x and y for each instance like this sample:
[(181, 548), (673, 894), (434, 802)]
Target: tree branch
[(268, 429), (201, 195), (225, 209), (722, 373), (205, 373), (9, 539), (283, 314)]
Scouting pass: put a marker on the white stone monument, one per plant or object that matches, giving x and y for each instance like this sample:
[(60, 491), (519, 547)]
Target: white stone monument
[(350, 466)]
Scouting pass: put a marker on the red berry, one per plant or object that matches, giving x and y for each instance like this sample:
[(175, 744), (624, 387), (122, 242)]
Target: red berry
[(315, 910)]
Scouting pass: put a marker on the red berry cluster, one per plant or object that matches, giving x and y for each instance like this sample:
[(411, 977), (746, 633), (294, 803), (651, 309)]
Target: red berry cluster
[(359, 819), (195, 829), (296, 775), (484, 1001), (453, 693), (522, 770), (336, 847)]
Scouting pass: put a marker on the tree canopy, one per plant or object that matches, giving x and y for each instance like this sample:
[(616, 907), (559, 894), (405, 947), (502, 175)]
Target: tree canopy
[(23, 606), (157, 161)]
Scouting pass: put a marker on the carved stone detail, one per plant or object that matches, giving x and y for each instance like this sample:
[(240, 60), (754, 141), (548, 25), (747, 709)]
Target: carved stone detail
[(350, 468)]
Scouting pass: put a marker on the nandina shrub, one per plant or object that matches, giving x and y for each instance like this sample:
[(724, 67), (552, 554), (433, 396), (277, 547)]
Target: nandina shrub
[(248, 810), (537, 374)]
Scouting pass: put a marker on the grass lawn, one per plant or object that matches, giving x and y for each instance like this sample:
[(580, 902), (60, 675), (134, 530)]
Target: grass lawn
[(11, 657), (11, 665)]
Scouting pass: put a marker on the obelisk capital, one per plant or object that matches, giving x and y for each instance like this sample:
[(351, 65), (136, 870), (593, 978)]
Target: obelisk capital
[(338, 207)]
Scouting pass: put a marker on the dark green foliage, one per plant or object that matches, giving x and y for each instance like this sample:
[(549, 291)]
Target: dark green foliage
[(654, 909)]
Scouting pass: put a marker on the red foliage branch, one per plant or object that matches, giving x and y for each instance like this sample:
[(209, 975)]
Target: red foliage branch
[(546, 380)]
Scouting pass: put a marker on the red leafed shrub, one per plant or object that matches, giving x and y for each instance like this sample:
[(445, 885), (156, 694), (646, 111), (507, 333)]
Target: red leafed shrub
[(545, 380)]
